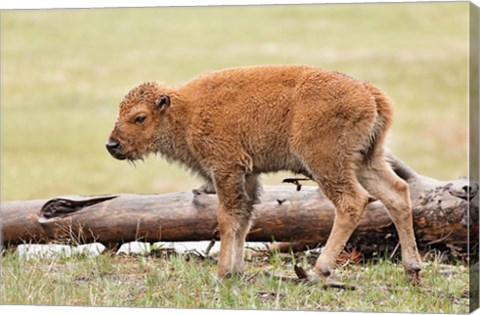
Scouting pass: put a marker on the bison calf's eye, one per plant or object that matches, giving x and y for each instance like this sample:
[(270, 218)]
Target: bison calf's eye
[(140, 119)]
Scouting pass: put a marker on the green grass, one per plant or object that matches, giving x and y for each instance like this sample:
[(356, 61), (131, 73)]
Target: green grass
[(64, 72), (140, 281)]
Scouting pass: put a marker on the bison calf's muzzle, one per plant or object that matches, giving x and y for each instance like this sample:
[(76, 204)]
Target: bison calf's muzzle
[(113, 147)]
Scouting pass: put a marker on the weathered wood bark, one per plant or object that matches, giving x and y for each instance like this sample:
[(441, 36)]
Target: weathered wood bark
[(443, 213)]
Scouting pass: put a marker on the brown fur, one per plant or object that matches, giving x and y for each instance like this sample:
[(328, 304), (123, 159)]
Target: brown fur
[(229, 126)]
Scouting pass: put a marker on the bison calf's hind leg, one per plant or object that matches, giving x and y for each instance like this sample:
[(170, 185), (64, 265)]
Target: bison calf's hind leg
[(234, 217), (384, 184), (350, 200)]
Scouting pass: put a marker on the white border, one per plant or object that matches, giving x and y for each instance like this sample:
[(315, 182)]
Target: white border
[(71, 4)]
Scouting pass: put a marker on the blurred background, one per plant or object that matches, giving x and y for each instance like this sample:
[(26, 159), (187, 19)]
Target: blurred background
[(64, 72)]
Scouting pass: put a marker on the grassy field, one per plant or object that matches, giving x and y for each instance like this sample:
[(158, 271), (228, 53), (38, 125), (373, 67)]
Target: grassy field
[(190, 283), (64, 72)]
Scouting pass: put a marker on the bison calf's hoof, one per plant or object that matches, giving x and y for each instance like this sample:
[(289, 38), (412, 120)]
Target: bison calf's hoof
[(324, 271), (228, 275), (413, 273)]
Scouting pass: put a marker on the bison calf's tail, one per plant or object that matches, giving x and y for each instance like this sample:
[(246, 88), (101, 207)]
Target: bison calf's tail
[(382, 123)]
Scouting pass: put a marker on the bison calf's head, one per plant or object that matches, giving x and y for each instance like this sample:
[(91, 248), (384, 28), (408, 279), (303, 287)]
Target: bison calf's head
[(136, 131)]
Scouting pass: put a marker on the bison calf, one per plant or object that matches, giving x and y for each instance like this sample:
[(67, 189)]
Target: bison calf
[(232, 125)]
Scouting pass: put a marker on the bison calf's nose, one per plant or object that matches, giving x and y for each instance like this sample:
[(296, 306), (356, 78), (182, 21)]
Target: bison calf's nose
[(113, 148), (112, 144)]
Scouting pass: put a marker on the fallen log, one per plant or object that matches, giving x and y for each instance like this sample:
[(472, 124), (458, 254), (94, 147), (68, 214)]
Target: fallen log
[(444, 214)]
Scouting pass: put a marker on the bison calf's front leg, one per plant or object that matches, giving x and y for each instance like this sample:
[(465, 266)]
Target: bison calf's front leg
[(234, 216), (233, 229)]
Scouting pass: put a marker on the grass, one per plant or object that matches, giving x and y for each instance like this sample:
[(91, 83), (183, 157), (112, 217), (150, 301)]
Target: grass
[(63, 73), (146, 281)]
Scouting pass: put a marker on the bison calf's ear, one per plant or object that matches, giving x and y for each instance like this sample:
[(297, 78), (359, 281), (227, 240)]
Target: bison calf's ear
[(163, 102)]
